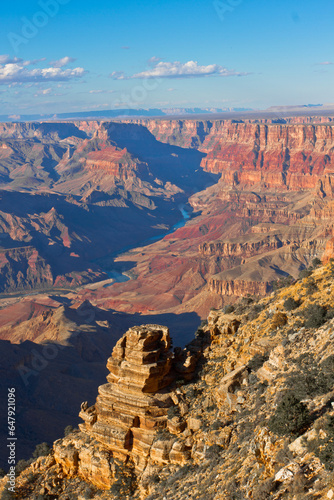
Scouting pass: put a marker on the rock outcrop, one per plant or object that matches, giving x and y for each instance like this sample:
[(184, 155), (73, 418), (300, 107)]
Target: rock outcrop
[(115, 162), (247, 249), (238, 288), (133, 405), (131, 409), (24, 268)]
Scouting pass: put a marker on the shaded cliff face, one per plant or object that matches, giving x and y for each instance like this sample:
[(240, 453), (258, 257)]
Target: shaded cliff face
[(290, 155)]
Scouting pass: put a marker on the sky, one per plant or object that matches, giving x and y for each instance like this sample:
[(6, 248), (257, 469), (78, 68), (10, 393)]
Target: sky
[(79, 55)]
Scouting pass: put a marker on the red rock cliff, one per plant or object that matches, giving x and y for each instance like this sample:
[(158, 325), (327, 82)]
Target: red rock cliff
[(276, 156)]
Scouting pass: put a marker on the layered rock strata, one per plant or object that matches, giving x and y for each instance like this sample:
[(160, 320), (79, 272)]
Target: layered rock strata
[(247, 249), (239, 288), (291, 157), (133, 405)]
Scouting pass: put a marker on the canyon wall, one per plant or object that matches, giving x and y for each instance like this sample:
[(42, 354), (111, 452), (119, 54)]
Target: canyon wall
[(274, 155), (23, 268), (264, 168)]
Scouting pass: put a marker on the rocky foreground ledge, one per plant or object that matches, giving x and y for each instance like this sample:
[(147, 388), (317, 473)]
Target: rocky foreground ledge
[(244, 412)]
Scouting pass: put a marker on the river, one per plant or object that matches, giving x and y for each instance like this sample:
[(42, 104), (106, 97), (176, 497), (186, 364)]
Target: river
[(119, 277)]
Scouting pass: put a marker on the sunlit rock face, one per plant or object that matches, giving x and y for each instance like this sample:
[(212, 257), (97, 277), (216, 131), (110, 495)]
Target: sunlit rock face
[(133, 404)]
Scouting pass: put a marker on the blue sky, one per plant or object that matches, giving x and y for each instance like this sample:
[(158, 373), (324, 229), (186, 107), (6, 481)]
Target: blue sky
[(77, 55)]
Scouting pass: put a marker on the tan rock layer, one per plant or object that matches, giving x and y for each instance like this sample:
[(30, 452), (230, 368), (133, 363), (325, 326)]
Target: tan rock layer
[(133, 405), (239, 288)]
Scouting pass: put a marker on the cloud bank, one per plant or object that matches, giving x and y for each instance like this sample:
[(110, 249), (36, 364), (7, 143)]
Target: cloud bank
[(18, 71), (64, 61), (190, 69)]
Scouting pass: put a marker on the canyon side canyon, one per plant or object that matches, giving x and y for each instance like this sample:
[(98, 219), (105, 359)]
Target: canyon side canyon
[(82, 202)]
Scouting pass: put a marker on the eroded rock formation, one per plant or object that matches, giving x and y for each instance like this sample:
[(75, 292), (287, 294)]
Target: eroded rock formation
[(131, 408), (133, 404)]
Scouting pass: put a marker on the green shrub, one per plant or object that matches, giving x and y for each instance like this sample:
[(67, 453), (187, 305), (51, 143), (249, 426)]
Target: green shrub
[(173, 411), (255, 311), (316, 262), (190, 392), (311, 287), (163, 435), (243, 305), (282, 283), (22, 465), (199, 333), (315, 316), (290, 304), (263, 490), (125, 484), (327, 365), (331, 268), (329, 313), (305, 273), (88, 493), (312, 379), (41, 450), (298, 486), (7, 495), (324, 448), (291, 416), (216, 425), (68, 429), (213, 452), (228, 309)]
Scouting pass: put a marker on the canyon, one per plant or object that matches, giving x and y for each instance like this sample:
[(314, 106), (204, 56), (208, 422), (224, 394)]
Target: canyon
[(83, 199)]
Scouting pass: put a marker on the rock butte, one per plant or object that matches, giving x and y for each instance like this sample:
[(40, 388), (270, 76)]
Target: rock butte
[(132, 407)]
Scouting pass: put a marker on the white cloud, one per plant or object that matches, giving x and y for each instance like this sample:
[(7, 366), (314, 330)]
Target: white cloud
[(64, 61), (325, 63), (153, 60), (190, 69), (43, 92), (33, 61), (118, 75), (6, 59), (17, 71), (101, 91)]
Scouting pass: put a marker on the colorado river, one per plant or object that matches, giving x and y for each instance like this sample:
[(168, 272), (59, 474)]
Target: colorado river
[(119, 277)]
